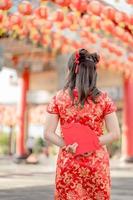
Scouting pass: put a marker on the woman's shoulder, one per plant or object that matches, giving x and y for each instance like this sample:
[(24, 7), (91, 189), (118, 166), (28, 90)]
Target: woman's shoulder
[(103, 96), (61, 94)]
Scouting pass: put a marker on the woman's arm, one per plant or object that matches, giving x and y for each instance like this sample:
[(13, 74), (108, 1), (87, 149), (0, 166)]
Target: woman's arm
[(50, 128), (112, 125)]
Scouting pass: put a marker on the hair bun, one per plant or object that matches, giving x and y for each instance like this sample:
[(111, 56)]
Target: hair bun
[(95, 57), (82, 54)]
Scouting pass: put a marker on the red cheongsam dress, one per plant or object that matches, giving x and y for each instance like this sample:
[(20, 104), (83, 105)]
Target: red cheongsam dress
[(86, 176)]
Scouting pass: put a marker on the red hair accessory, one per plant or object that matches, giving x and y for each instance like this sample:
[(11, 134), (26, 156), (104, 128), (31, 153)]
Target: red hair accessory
[(77, 62)]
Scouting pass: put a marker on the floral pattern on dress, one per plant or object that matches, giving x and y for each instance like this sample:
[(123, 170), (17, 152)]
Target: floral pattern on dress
[(86, 176)]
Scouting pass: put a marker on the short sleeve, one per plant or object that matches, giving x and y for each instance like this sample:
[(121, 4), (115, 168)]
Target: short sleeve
[(109, 105), (52, 106)]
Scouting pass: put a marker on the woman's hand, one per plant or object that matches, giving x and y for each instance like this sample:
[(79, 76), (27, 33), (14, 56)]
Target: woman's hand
[(71, 148)]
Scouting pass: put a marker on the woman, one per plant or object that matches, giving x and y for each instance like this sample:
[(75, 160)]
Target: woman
[(85, 176)]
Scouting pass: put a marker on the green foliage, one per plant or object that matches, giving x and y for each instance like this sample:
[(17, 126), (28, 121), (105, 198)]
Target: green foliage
[(114, 148), (4, 139), (39, 145)]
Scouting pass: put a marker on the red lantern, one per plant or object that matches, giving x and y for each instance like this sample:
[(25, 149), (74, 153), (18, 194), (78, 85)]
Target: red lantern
[(25, 8), (118, 52), (59, 16), (71, 17), (63, 2), (129, 1), (36, 37), (80, 5), (44, 40), (86, 20), (126, 37), (104, 43), (16, 19), (1, 17), (24, 32), (109, 12), (76, 44), (34, 22), (92, 38), (119, 32), (107, 25), (95, 22), (65, 24), (131, 20), (42, 12), (7, 25), (95, 7), (84, 34), (5, 4), (121, 17), (64, 40), (111, 48), (48, 24), (130, 57)]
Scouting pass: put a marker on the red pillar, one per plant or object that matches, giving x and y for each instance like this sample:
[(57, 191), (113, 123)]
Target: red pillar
[(22, 106), (127, 138)]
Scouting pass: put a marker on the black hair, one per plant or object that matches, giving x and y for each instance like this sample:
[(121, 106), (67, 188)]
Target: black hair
[(85, 79)]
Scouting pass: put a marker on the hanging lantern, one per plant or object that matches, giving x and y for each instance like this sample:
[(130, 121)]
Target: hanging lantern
[(86, 21), (71, 17), (111, 48), (65, 24), (109, 12), (118, 52), (48, 24), (75, 44), (59, 16), (24, 32), (42, 12), (25, 8), (130, 41), (84, 34), (104, 43), (95, 7), (7, 25), (131, 20), (36, 37), (80, 5), (16, 19), (95, 21), (130, 57), (44, 40), (119, 32), (107, 25), (129, 1), (64, 40), (1, 17), (5, 4), (121, 17), (92, 38), (126, 37), (63, 2)]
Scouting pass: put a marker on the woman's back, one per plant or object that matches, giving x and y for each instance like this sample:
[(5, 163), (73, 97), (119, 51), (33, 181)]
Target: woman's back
[(92, 114)]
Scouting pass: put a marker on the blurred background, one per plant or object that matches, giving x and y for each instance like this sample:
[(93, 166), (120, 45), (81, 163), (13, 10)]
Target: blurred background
[(36, 39)]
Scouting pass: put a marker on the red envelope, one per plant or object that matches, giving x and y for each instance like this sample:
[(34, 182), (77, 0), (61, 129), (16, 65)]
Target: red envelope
[(83, 135)]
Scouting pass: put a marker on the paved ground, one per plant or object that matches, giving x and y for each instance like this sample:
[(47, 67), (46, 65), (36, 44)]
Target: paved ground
[(36, 182)]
